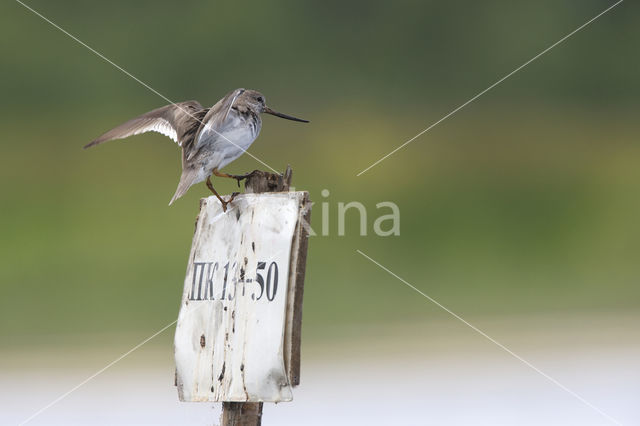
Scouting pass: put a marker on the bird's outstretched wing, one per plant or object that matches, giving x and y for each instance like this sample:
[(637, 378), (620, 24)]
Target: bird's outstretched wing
[(214, 119), (179, 121)]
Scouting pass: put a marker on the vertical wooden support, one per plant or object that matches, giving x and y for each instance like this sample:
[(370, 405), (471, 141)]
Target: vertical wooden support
[(297, 266), (250, 413), (241, 413)]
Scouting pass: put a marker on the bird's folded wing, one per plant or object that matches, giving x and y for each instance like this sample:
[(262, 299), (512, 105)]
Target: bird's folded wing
[(172, 120), (215, 118)]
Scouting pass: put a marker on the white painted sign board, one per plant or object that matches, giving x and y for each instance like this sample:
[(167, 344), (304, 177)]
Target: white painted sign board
[(230, 335)]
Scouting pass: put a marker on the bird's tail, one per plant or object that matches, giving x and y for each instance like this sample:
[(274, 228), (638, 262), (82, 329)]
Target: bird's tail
[(187, 179)]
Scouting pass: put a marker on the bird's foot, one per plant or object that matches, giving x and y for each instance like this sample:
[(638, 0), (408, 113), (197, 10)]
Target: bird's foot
[(222, 200), (226, 203), (238, 178), (212, 189), (233, 196)]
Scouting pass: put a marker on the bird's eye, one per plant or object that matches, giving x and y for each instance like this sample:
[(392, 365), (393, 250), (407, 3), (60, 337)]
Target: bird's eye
[(260, 99)]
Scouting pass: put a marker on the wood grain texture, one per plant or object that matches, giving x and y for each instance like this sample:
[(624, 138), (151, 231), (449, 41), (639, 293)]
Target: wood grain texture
[(241, 414), (219, 361), (250, 413), (297, 268), (230, 337), (260, 181)]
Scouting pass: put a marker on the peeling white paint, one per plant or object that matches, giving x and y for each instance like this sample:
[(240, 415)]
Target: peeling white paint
[(231, 349)]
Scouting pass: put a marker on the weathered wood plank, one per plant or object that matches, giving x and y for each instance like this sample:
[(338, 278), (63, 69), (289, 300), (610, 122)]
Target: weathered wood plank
[(246, 413), (230, 337), (259, 181), (250, 413), (297, 268), (241, 413)]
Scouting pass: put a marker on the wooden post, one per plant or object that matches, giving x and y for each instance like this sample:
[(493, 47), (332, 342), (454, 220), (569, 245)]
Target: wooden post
[(239, 327), (241, 414), (250, 413)]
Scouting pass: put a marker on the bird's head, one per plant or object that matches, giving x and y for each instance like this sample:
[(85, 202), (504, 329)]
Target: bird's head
[(255, 101)]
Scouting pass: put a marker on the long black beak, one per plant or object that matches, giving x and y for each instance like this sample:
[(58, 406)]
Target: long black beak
[(281, 115)]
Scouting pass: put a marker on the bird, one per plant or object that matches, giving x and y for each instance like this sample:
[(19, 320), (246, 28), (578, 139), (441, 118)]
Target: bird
[(210, 138)]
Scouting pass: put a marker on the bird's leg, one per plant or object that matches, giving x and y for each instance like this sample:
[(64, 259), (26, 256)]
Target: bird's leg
[(222, 201), (238, 178), (234, 195)]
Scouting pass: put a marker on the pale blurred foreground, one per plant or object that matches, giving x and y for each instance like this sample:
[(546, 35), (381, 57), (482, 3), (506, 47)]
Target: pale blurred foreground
[(429, 373)]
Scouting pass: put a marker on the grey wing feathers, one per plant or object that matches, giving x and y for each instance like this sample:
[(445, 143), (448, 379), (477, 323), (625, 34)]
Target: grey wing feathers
[(175, 121), (215, 118)]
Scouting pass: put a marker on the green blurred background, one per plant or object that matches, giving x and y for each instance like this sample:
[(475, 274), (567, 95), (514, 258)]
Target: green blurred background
[(524, 202)]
